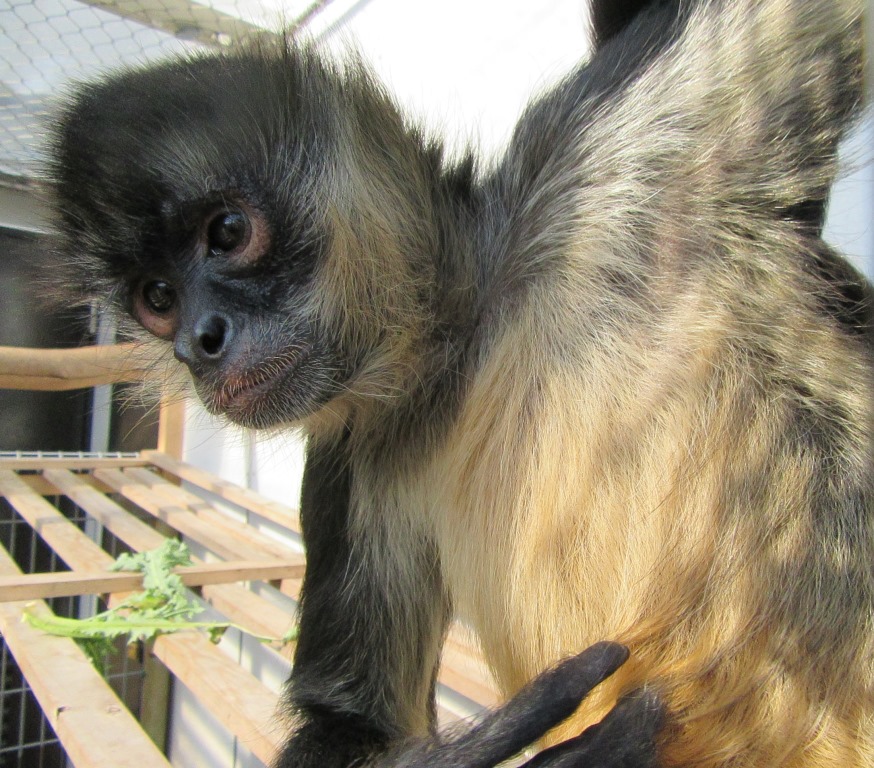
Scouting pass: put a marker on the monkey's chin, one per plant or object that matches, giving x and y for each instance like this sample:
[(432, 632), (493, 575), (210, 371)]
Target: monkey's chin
[(258, 400), (265, 409)]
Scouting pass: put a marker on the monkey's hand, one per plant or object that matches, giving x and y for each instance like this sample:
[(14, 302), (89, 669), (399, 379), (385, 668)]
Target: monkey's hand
[(625, 738)]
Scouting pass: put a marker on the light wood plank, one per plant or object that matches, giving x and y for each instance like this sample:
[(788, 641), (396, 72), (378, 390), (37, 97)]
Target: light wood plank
[(95, 728), (121, 523), (171, 427), (68, 584), (216, 540), (246, 707), (71, 545), (254, 540), (281, 514), (84, 461), (234, 601)]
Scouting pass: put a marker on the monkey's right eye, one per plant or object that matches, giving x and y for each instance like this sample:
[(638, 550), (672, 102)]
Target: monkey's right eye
[(159, 296), (227, 232)]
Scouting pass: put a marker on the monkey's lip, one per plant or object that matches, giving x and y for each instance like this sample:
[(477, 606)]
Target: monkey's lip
[(240, 391)]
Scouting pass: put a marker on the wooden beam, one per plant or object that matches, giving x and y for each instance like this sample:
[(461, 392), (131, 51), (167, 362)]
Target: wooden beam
[(95, 729), (234, 601), (40, 586), (243, 705), (281, 514), (75, 368), (171, 427), (71, 545), (216, 535), (121, 523), (25, 461), (247, 536)]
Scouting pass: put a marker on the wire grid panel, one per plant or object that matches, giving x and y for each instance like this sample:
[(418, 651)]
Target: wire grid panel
[(26, 737), (46, 44)]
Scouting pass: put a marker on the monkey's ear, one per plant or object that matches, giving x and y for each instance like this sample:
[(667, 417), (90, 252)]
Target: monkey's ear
[(609, 17)]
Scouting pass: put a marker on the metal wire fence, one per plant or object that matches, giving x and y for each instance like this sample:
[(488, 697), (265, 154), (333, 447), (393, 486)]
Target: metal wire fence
[(26, 739), (45, 44)]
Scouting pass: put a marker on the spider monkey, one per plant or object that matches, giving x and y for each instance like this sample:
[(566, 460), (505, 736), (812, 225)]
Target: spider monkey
[(611, 386)]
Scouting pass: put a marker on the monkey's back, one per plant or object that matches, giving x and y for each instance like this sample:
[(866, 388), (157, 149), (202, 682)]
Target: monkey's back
[(699, 487), (668, 441)]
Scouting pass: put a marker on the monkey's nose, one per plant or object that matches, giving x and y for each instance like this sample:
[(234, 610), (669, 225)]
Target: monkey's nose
[(208, 341)]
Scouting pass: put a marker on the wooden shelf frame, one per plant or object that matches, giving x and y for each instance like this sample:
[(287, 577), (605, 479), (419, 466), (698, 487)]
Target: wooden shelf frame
[(174, 498)]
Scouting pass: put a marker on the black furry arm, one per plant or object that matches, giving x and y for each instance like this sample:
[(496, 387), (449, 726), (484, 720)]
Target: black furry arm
[(367, 653)]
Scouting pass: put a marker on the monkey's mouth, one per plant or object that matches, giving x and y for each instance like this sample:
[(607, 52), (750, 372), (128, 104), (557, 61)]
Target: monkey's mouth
[(240, 392)]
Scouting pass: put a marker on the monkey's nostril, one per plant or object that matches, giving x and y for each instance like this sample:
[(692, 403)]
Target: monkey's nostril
[(211, 335)]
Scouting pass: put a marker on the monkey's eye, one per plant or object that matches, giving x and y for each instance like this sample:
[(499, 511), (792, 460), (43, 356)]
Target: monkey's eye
[(226, 232), (159, 296)]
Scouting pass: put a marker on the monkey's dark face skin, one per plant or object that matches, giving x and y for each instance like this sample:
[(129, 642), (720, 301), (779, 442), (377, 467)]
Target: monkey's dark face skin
[(252, 357)]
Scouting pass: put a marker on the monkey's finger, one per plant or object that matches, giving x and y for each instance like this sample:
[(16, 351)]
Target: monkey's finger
[(625, 738), (547, 700)]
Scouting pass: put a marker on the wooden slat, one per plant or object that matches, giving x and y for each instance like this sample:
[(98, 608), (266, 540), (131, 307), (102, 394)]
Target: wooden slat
[(171, 427), (228, 692), (70, 462), (236, 602), (135, 533), (61, 369), (242, 533), (95, 728), (246, 707), (216, 539), (69, 584), (280, 514), (44, 488), (70, 544)]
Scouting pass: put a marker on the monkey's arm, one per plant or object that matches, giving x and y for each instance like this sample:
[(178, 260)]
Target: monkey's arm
[(371, 622)]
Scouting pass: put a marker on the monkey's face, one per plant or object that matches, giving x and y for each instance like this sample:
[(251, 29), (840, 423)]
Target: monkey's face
[(189, 206), (233, 307), (261, 214)]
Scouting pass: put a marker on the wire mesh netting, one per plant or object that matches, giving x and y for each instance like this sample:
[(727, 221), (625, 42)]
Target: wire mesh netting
[(45, 44), (26, 739)]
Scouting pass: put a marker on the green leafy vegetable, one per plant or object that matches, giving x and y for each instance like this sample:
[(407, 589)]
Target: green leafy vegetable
[(161, 608)]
